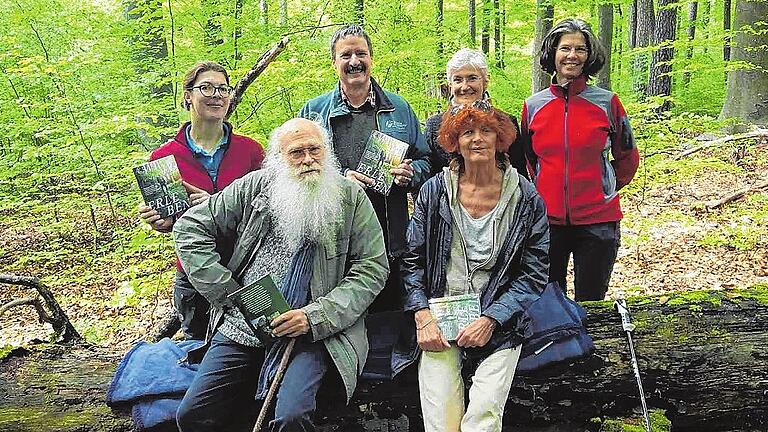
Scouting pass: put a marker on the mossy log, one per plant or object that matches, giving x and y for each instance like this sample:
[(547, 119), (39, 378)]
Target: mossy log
[(702, 356)]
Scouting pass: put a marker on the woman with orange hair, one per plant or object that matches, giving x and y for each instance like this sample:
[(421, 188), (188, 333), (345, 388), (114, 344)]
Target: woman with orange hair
[(478, 238)]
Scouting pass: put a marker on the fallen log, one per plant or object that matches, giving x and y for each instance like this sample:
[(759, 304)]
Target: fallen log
[(702, 356), (733, 196), (758, 133)]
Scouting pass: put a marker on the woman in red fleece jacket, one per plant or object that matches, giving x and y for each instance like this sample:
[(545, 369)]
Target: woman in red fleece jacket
[(209, 157), (580, 152)]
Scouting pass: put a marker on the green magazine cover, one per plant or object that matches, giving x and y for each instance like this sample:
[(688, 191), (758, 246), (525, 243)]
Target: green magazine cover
[(160, 184), (382, 152)]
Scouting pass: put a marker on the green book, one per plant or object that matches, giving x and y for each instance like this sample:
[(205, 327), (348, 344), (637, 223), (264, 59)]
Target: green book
[(260, 302), (161, 187), (454, 313), (382, 152)]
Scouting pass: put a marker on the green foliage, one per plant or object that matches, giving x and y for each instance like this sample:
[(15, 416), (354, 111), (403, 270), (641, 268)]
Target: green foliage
[(659, 423)]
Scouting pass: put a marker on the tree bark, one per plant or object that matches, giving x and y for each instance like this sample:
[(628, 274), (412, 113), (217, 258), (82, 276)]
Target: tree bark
[(747, 89), (605, 34), (693, 8), (727, 29), (646, 24), (471, 22), (660, 81), (439, 31), (498, 51), (545, 13), (485, 30), (701, 356), (264, 15), (632, 25)]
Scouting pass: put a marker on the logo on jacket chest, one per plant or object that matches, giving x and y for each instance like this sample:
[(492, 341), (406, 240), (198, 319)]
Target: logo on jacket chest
[(394, 125)]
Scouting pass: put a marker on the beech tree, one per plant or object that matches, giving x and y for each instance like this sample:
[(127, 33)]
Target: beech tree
[(747, 88), (660, 81), (545, 12), (605, 33)]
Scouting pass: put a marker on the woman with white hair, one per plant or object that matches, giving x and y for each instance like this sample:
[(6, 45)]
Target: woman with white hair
[(467, 74)]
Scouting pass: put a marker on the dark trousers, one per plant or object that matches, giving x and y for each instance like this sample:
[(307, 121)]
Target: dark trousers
[(221, 397), (391, 297), (191, 307), (594, 248)]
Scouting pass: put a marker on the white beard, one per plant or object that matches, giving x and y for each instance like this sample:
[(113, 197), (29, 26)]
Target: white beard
[(308, 208)]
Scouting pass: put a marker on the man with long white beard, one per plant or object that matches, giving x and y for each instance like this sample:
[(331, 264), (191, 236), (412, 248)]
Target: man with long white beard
[(317, 235)]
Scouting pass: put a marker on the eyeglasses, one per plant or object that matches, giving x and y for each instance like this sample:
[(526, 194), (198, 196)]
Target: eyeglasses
[(208, 90), (480, 104), (580, 50), (299, 154)]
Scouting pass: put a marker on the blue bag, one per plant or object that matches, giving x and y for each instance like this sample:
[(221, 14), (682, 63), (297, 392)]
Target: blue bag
[(557, 329)]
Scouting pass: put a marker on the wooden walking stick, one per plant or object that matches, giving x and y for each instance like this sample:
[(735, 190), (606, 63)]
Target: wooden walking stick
[(275, 384)]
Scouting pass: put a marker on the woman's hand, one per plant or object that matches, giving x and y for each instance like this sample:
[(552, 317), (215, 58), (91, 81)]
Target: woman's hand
[(428, 334), (476, 334), (152, 217), (196, 195)]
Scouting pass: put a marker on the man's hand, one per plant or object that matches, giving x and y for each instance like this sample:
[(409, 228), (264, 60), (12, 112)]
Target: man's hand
[(292, 324), (196, 195), (152, 217), (476, 334), (363, 180), (428, 334), (403, 173)]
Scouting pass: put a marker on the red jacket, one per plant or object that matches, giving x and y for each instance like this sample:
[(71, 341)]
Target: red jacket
[(242, 156), (569, 136)]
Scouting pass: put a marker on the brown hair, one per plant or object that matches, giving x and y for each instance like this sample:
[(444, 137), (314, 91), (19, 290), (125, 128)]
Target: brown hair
[(204, 66)]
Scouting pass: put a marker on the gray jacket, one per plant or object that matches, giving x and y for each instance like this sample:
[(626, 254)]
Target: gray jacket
[(348, 274)]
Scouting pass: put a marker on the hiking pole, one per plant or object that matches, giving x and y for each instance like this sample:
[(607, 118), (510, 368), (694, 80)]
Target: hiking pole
[(275, 383), (626, 324)]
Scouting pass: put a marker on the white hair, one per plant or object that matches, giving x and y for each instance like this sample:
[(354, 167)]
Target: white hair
[(303, 208), (466, 57), (276, 137)]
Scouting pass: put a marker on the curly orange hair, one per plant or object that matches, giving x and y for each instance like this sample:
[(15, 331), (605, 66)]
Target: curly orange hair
[(470, 117)]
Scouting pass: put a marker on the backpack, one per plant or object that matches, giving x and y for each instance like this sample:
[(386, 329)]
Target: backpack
[(557, 331)]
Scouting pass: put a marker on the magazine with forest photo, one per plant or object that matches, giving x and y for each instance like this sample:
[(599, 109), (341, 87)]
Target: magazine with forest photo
[(382, 153), (160, 184)]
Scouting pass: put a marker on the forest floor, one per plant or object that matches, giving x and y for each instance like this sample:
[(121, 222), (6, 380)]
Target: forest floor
[(670, 241)]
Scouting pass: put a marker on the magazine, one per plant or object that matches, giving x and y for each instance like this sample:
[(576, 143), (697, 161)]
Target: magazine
[(260, 302)]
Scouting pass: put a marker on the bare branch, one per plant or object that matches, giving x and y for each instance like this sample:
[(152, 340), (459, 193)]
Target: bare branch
[(723, 140), (18, 302), (713, 204), (256, 70)]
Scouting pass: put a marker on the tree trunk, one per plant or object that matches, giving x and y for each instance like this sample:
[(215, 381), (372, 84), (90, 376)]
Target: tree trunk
[(727, 29), (498, 51), (471, 21), (360, 11), (545, 12), (485, 31), (660, 82), (705, 16), (701, 356), (632, 25), (283, 13), (439, 31), (605, 31), (693, 8), (646, 24), (264, 15), (747, 89), (150, 53)]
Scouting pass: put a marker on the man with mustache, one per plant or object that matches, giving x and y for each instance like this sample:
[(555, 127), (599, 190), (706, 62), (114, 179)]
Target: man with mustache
[(354, 108), (317, 235)]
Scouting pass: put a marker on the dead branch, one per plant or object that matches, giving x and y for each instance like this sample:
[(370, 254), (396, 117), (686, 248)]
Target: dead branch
[(723, 140), (713, 204), (18, 302), (256, 70), (57, 317)]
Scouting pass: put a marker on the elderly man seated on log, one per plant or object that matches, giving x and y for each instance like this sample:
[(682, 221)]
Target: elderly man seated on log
[(316, 233)]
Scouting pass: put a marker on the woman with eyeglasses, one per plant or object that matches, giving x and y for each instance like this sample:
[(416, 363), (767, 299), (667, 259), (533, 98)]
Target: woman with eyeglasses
[(209, 156), (467, 74), (581, 150), (478, 236)]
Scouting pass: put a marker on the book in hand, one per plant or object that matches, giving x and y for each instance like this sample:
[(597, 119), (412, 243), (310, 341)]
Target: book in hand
[(260, 302), (382, 152), (161, 187), (454, 313)]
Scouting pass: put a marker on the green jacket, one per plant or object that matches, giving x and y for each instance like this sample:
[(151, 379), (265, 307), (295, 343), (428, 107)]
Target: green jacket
[(348, 274)]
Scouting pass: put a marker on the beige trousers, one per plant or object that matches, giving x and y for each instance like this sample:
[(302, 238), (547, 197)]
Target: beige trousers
[(441, 391)]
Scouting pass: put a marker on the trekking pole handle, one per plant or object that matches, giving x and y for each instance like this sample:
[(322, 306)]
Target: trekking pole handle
[(626, 319)]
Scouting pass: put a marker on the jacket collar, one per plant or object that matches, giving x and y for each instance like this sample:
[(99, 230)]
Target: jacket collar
[(181, 135), (574, 87), (382, 101)]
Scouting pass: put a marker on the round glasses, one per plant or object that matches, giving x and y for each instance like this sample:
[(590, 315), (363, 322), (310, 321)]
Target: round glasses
[(208, 90)]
